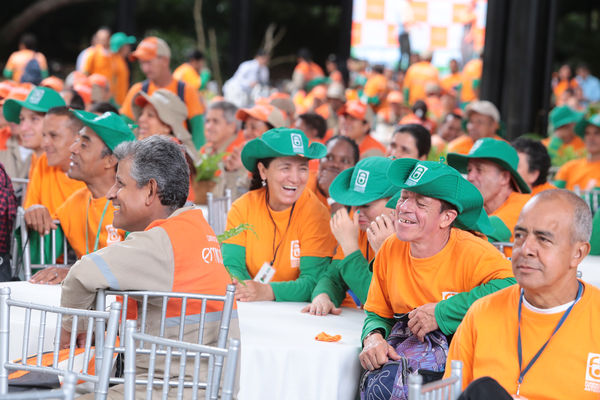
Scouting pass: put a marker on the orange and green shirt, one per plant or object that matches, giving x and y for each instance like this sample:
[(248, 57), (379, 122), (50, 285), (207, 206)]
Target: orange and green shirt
[(49, 186), (299, 241), (540, 188), (578, 173), (470, 73), (417, 77), (81, 212), (451, 81), (185, 72), (576, 146), (453, 278), (568, 368), (15, 66)]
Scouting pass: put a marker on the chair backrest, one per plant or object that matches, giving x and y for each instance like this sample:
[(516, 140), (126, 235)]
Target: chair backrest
[(445, 389), (503, 245), (143, 298), (218, 207), (66, 392), (103, 351), (591, 197), (170, 349), (20, 187)]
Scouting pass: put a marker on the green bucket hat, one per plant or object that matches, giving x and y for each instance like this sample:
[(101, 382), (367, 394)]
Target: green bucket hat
[(118, 40), (40, 99), (108, 126), (563, 115), (437, 180), (365, 182), (584, 122), (498, 151), (280, 142)]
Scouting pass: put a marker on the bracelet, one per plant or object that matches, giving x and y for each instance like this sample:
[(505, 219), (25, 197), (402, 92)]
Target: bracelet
[(376, 330)]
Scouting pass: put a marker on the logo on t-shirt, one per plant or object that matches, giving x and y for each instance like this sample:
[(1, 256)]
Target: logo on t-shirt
[(112, 235), (297, 144), (295, 253), (592, 373), (360, 184), (416, 175), (212, 254), (447, 295)]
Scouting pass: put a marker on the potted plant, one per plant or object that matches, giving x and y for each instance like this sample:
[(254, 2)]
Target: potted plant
[(207, 173)]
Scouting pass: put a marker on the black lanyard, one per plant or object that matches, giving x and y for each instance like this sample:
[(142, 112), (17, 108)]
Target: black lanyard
[(276, 249), (537, 355)]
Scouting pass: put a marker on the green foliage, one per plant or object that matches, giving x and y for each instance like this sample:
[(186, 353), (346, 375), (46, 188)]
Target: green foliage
[(437, 154), (568, 154), (207, 166), (228, 234)]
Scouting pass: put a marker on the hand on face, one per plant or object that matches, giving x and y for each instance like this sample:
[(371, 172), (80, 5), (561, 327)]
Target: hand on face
[(345, 230)]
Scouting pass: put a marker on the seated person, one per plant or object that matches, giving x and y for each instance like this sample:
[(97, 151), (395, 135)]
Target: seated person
[(356, 121), (491, 166), (410, 141), (534, 164), (49, 185), (290, 244), (483, 121), (551, 315), (430, 269), (562, 120), (342, 153), (584, 172), (313, 125), (86, 217), (161, 253), (367, 190)]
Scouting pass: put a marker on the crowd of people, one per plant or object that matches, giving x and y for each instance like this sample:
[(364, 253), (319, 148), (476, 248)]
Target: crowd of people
[(386, 191)]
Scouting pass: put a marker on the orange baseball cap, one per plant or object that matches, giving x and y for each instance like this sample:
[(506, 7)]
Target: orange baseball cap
[(5, 88), (100, 80), (18, 93), (150, 48), (395, 96), (84, 91), (53, 83), (262, 112), (357, 110)]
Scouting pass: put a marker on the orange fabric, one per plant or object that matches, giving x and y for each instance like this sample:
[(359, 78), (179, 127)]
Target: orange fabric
[(376, 85), (579, 173), (564, 85), (99, 61), (309, 71), (49, 186), (540, 188), (434, 107), (5, 134), (463, 144), (486, 343), (577, 145), (72, 217), (449, 82), (370, 144), (417, 77), (48, 360), (308, 234), (464, 263), (191, 98), (324, 337), (19, 59), (336, 76), (312, 186), (34, 159), (120, 83), (509, 211), (413, 119), (471, 72), (198, 261), (323, 110), (185, 72)]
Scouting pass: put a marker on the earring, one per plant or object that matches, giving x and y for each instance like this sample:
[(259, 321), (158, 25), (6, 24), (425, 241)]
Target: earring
[(264, 182)]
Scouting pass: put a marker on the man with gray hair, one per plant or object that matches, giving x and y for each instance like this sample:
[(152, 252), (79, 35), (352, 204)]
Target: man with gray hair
[(170, 248), (549, 319)]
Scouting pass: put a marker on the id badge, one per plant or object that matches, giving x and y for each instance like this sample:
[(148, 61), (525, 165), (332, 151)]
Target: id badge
[(265, 274)]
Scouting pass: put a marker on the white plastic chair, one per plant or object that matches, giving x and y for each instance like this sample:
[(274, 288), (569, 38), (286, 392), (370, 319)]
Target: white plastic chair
[(218, 207), (104, 346), (170, 349), (66, 392), (445, 389), (503, 245), (144, 297)]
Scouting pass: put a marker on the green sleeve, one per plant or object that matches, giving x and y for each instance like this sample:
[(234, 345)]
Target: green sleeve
[(374, 321), (332, 284), (356, 273), (449, 313), (196, 124), (406, 92), (595, 240), (560, 184), (234, 259), (7, 73), (300, 289), (205, 76), (44, 73)]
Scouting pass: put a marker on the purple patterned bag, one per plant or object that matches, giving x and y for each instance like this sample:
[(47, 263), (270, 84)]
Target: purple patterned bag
[(428, 358)]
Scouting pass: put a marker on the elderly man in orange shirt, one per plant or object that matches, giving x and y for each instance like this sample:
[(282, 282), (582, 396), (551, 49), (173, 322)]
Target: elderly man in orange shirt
[(483, 121)]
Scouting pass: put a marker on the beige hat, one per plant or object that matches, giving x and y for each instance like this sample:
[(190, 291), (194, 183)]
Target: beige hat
[(171, 111), (262, 112), (483, 107), (336, 91)]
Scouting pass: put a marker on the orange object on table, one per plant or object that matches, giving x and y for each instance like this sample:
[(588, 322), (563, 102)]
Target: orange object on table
[(323, 337)]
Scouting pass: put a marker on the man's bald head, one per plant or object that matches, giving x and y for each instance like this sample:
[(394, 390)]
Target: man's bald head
[(581, 223)]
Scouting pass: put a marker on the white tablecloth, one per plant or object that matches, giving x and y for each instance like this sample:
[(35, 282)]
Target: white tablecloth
[(282, 360)]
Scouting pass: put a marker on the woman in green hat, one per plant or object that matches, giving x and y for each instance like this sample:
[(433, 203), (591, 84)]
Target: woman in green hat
[(288, 244), (365, 188)]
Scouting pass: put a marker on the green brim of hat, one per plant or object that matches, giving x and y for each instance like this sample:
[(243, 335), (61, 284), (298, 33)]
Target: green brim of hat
[(258, 149), (111, 129), (584, 122), (342, 192), (471, 215), (501, 232), (460, 162), (12, 109), (322, 80)]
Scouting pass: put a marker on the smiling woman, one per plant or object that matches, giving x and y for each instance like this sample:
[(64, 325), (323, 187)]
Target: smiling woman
[(290, 243)]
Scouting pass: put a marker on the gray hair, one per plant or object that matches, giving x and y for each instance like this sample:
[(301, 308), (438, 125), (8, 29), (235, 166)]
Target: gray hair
[(161, 159), (229, 110), (581, 227)]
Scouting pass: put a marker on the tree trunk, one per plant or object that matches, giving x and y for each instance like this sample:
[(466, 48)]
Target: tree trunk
[(199, 24)]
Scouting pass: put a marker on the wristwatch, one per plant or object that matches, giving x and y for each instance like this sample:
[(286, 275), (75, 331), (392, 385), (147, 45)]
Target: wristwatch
[(376, 330)]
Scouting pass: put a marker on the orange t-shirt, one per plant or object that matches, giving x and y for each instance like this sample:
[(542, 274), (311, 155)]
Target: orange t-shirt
[(370, 147), (120, 82), (49, 186), (578, 173), (308, 233), (309, 71), (402, 282), (470, 73), (19, 59), (79, 211), (99, 61), (540, 188), (463, 144), (376, 85), (509, 211), (185, 72), (417, 77), (34, 159), (577, 145), (312, 185), (569, 367), (450, 82), (190, 96), (564, 85), (5, 134)]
